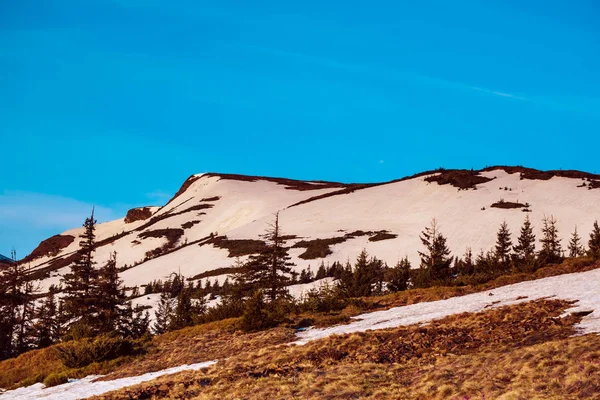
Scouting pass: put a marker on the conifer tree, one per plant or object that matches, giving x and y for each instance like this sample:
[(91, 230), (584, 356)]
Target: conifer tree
[(594, 242), (575, 247), (398, 277), (270, 269), (503, 246), (133, 322), (551, 251), (80, 286), (321, 272), (183, 314), (436, 259), (111, 296), (164, 314), (525, 248), (47, 327)]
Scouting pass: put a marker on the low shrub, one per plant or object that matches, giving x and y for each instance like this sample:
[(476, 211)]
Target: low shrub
[(77, 354), (55, 379)]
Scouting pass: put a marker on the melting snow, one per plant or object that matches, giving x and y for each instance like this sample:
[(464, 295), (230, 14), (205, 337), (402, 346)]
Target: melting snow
[(583, 287), (86, 387)]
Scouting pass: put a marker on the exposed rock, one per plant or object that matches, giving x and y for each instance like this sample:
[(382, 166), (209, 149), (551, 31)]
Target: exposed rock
[(138, 214)]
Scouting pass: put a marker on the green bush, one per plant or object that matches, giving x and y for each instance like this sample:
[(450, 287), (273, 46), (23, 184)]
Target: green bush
[(56, 379), (77, 354)]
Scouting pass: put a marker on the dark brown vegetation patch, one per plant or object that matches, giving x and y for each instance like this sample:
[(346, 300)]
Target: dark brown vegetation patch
[(509, 204), (189, 224), (138, 214), (462, 179), (534, 174), (238, 247), (213, 272), (382, 235), (171, 234), (319, 248), (215, 198), (50, 247), (290, 184), (170, 214)]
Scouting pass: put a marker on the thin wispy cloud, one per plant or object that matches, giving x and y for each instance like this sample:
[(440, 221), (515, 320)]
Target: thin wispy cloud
[(47, 211), (390, 73)]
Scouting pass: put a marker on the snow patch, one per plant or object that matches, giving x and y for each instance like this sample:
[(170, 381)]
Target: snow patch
[(581, 286), (88, 386)]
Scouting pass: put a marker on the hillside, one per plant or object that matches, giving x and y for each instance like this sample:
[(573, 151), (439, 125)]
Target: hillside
[(214, 218)]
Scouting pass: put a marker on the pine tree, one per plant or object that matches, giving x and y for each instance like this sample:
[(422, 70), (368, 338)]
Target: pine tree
[(575, 247), (47, 326), (321, 272), (255, 315), (269, 270), (183, 315), (398, 277), (525, 248), (164, 314), (133, 322), (594, 242), (551, 251), (503, 246), (111, 296), (436, 259), (80, 286)]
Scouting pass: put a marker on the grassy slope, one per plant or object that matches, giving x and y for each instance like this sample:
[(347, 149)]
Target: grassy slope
[(221, 339), (522, 351)]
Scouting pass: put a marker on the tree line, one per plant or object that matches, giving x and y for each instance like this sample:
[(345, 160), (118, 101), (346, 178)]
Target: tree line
[(91, 301)]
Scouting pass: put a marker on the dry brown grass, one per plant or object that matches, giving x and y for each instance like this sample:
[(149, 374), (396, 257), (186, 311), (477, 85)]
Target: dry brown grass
[(523, 351)]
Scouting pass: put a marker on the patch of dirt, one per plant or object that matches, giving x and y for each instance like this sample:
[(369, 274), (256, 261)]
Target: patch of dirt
[(509, 204), (138, 214), (50, 247), (170, 214)]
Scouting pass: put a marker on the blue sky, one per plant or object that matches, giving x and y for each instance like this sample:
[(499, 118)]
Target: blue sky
[(115, 102)]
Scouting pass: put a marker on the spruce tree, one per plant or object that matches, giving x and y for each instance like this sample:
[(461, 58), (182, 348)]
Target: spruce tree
[(164, 314), (183, 314), (575, 247), (398, 277), (133, 322), (551, 251), (111, 296), (525, 248), (594, 242), (436, 259), (270, 269), (47, 326), (503, 246), (80, 286)]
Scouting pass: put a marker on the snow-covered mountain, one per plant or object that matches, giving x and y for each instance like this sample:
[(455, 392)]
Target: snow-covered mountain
[(214, 218)]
